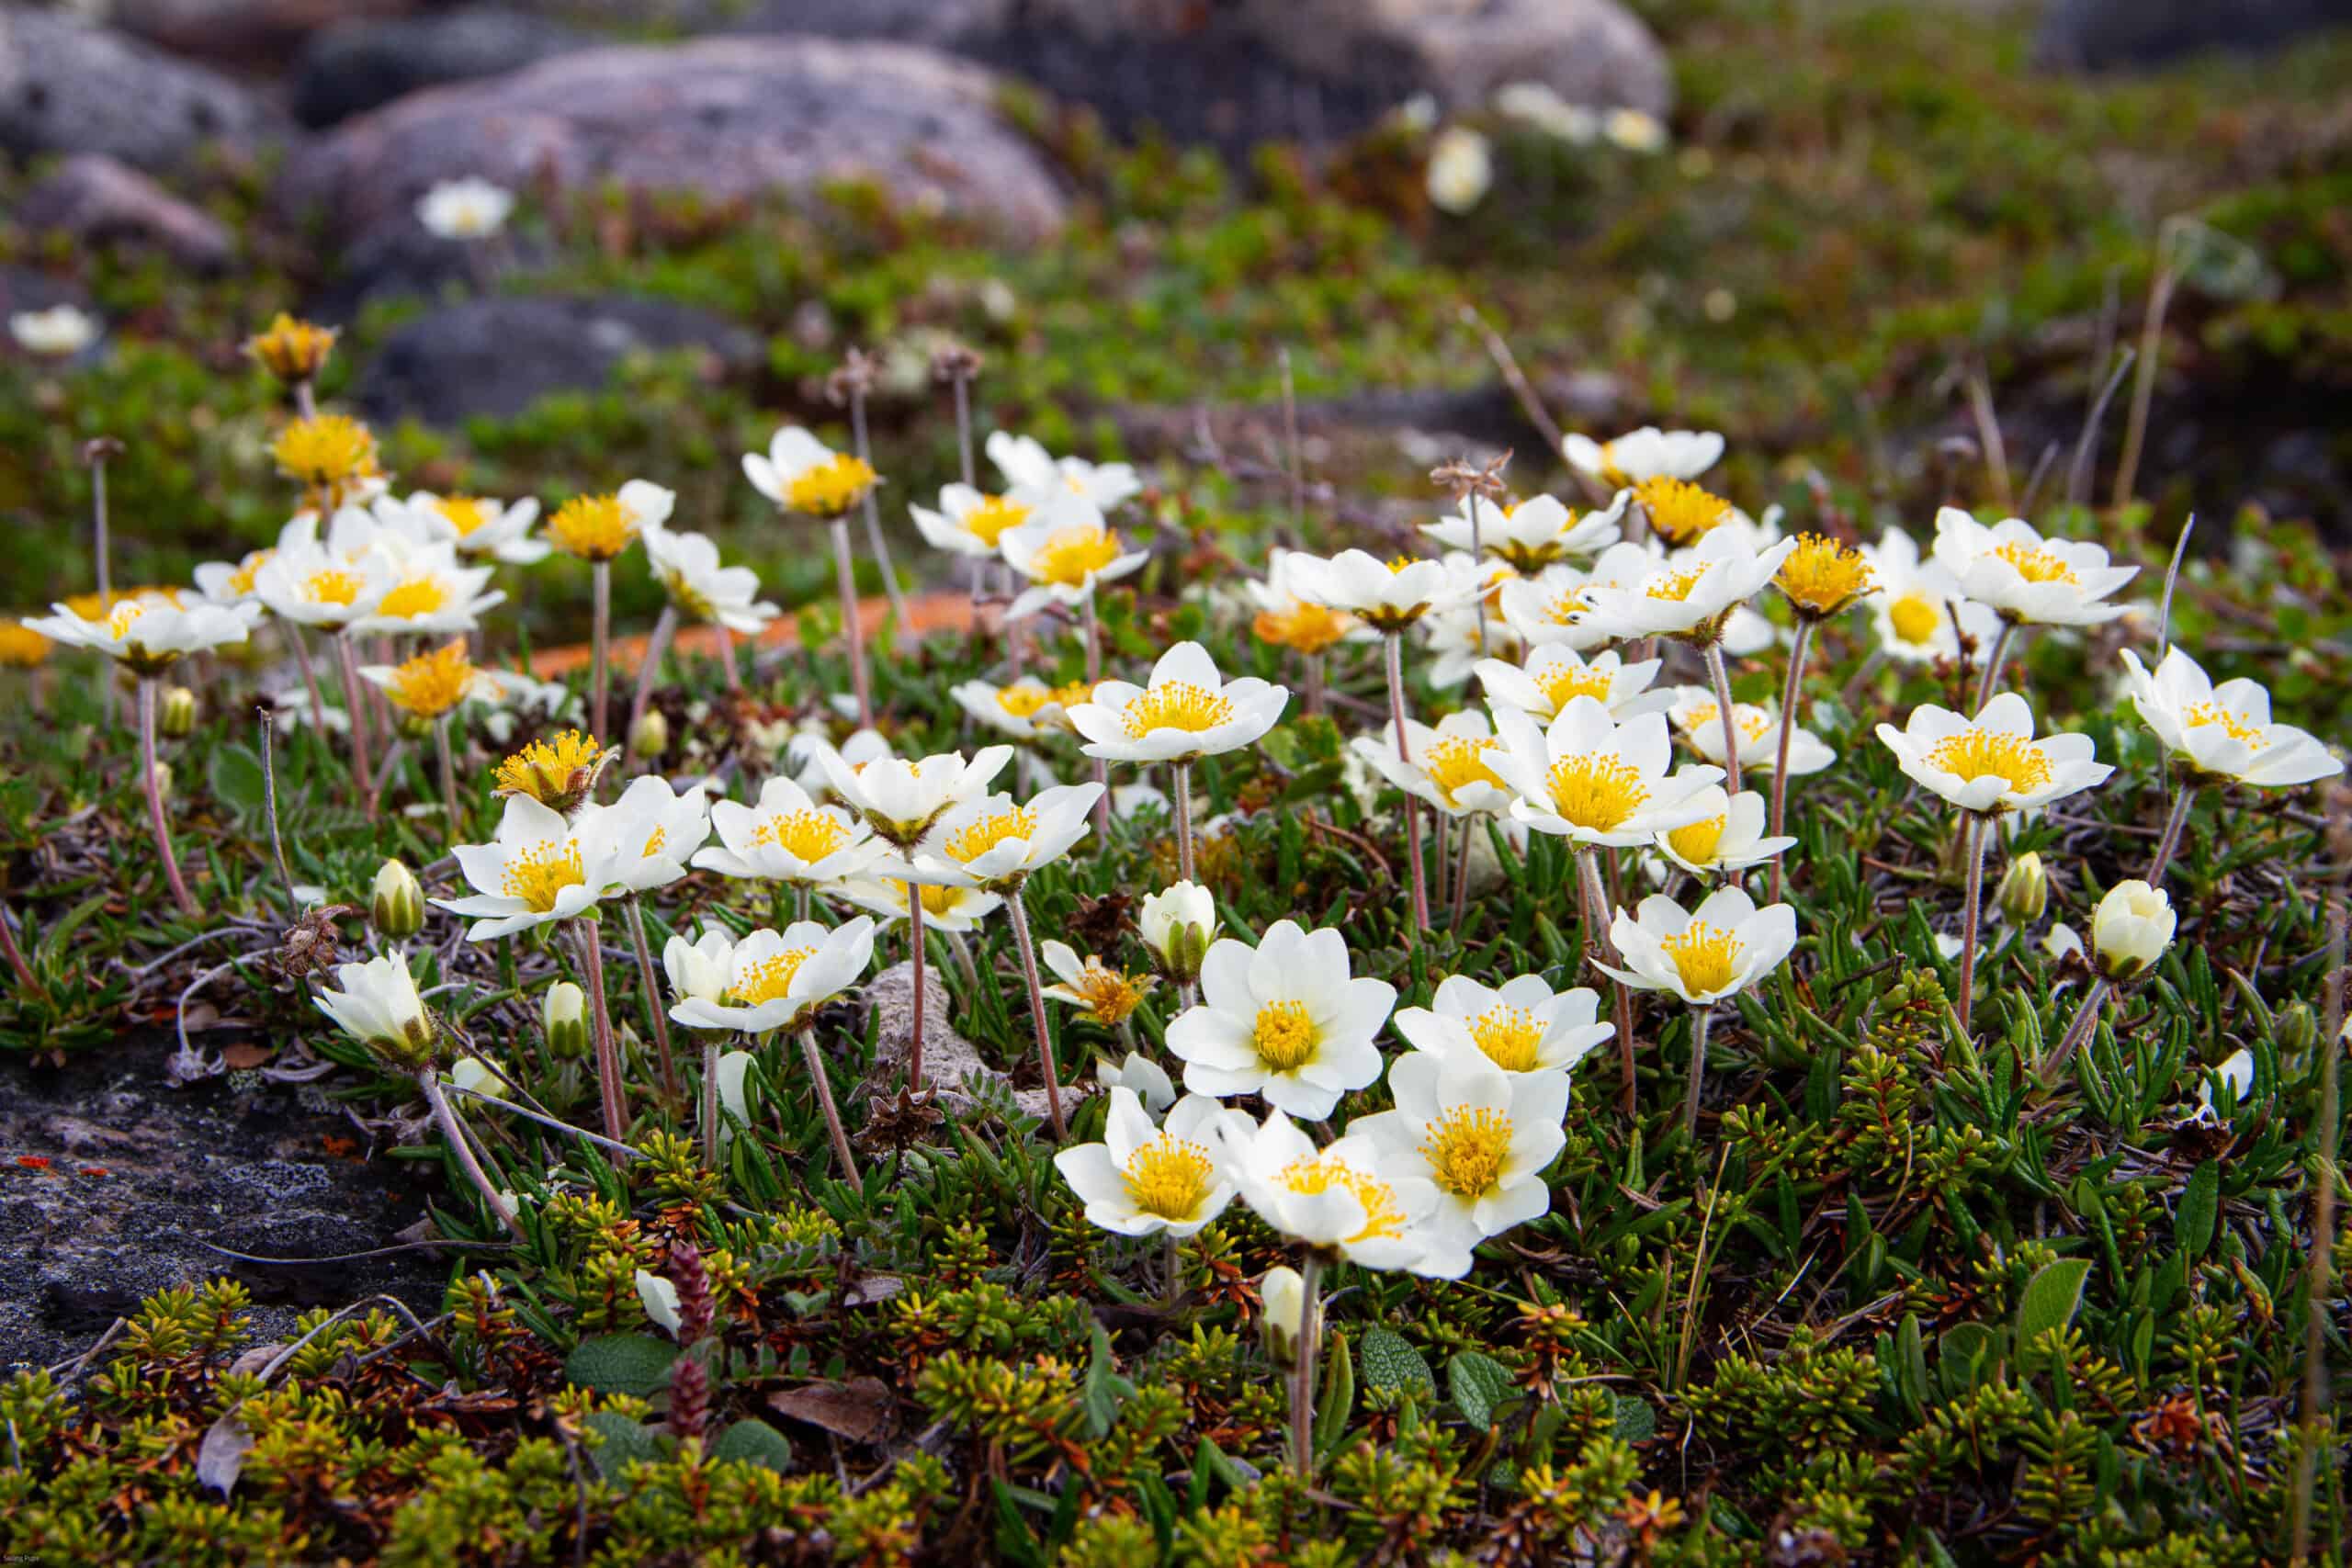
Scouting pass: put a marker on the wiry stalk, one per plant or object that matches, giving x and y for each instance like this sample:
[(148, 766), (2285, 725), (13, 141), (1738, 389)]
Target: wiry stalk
[(1037, 1013), (1095, 678), (601, 635), (1182, 781), (711, 1125), (1993, 660), (874, 516), (608, 1055), (1597, 946), (915, 952), (650, 978), (1302, 1373), (362, 773), (1699, 1019), (154, 792), (845, 584), (815, 1060), (2085, 1019), (428, 1080), (1722, 679), (2182, 801), (269, 807), (448, 776), (657, 644), (309, 679), (1978, 830), (1471, 829), (1792, 693), (1412, 806)]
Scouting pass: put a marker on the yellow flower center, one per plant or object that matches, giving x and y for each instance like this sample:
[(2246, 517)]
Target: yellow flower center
[(1676, 584), (831, 487), (1987, 753), (291, 350), (1072, 555), (413, 599), (1310, 1178), (807, 835), (1509, 1036), (1702, 954), (1561, 682), (2235, 728), (1698, 842), (548, 771), (653, 843), (463, 513), (1597, 791), (1679, 511), (1396, 564), (1566, 606), (542, 870), (1176, 705), (1110, 995), (979, 837), (123, 616), (1022, 701), (331, 586), (594, 527), (1821, 576), (21, 648), (1706, 719), (1284, 1036), (1915, 618), (326, 451), (1466, 1149), (432, 683), (1169, 1177), (242, 580), (943, 900), (994, 517), (1309, 628), (770, 979), (1455, 761), (2036, 563)]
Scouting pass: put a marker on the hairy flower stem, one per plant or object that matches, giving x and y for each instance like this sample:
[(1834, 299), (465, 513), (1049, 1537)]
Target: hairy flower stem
[(1790, 695), (362, 773), (1994, 657), (710, 1121), (1700, 1018), (1313, 685), (155, 791), (600, 575), (96, 453), (1412, 807), (429, 1079), (309, 679), (1596, 947), (648, 976), (2086, 1019), (1183, 785), (1722, 679), (1978, 830), (1171, 1270), (1037, 1013), (657, 645), (1471, 828), (270, 807), (915, 954), (2182, 803), (726, 637), (449, 775), (824, 1085), (853, 634), (27, 980), (608, 1055), (1302, 1372), (881, 546)]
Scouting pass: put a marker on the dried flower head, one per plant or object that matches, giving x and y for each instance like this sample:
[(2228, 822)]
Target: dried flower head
[(292, 350), (557, 774)]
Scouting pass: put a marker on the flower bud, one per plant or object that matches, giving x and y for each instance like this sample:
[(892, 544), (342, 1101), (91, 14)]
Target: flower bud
[(659, 1299), (649, 736), (2297, 1027), (2025, 890), (2130, 930), (175, 718), (162, 780), (1176, 925), (1284, 1296), (396, 904), (564, 1015)]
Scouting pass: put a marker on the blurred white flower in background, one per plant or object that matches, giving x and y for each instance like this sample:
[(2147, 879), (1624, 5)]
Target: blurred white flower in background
[(59, 333), (1461, 169), (469, 209)]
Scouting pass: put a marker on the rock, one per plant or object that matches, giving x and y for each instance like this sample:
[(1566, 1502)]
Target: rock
[(23, 288), (396, 259), (103, 202), (951, 1064), (1246, 71), (351, 67), (732, 118), (240, 33), (66, 87), (498, 356), (2102, 34)]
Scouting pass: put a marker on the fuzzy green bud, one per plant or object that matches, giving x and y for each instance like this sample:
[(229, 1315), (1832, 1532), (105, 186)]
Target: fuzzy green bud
[(396, 904), (564, 1015), (1176, 926), (175, 716), (1283, 1293), (649, 736), (2297, 1027), (2024, 892)]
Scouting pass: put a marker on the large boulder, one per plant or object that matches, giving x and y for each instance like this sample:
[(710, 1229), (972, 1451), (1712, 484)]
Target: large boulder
[(497, 356), (239, 34), (2103, 34), (727, 117), (355, 66), (101, 202), (66, 87)]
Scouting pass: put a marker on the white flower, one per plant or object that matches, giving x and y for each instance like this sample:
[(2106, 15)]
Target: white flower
[(901, 800), (1176, 925), (1342, 1199), (2062, 940), (1186, 711), (1555, 672), (222, 583), (1730, 838), (1593, 780), (659, 1299), (993, 844), (1648, 453), (149, 632), (1689, 594), (2025, 578), (1283, 1293), (1533, 534), (1066, 550), (778, 979), (697, 970), (1108, 995), (2130, 930), (646, 839), (1697, 720), (1523, 1028), (786, 837), (472, 525), (1034, 474), (1388, 597), (805, 751), (734, 1097), (971, 522), (1028, 709), (312, 585), (59, 333), (686, 565), (1283, 1020), (1539, 105), (945, 909), (2223, 732), (536, 870), (474, 1075), (2236, 1073), (1482, 1137), (1462, 167), (1716, 951), (1636, 131), (801, 473), (1141, 1077), (1913, 614), (1288, 621), (1993, 764), (1553, 609), (1147, 1181), (379, 1005), (424, 590), (469, 209), (1451, 767)]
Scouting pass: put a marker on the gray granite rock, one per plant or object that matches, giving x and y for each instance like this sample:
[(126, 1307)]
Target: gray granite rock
[(66, 87), (353, 67), (102, 202)]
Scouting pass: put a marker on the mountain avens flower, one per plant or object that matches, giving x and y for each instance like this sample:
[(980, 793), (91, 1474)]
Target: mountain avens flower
[(1152, 1180), (1284, 1020)]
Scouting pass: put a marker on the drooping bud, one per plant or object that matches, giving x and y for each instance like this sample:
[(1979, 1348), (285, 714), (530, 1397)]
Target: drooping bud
[(2130, 930), (649, 736), (396, 904), (1284, 1296), (175, 718), (1176, 926), (2024, 892), (564, 1015)]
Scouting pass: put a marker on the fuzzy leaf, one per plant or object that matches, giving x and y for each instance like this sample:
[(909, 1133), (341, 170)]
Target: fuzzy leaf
[(625, 1441), (1636, 1422), (1391, 1362), (753, 1442), (1476, 1384), (235, 777), (2051, 1298), (621, 1363)]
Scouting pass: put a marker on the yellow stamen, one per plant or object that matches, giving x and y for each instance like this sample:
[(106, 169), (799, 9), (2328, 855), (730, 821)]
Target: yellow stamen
[(1454, 762), (1703, 955), (979, 837), (1679, 511), (653, 844), (464, 514), (1309, 628), (331, 586), (1821, 576), (807, 835), (1677, 584), (432, 683), (541, 872), (1566, 606), (1169, 1177), (1072, 555), (415, 599), (1176, 704), (1915, 618), (326, 452), (1466, 1149), (550, 771), (1109, 995), (831, 487), (594, 527), (1698, 842), (291, 350), (2238, 730), (943, 900), (1562, 681), (1509, 1036), (241, 580), (2037, 563), (770, 979), (1022, 701), (1384, 1215), (994, 517), (123, 616), (21, 648), (1595, 792), (1990, 753), (1284, 1036)]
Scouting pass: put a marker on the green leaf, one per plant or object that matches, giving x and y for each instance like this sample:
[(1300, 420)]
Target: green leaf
[(1636, 1422), (1337, 1402), (2051, 1298), (2200, 1204), (1964, 1356), (1158, 1506), (1391, 1362), (635, 1364), (1106, 1389), (1477, 1383), (753, 1442), (1015, 1542), (234, 774), (622, 1442)]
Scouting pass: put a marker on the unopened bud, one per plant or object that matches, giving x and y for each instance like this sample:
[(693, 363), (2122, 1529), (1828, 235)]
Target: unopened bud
[(162, 780), (564, 1015), (2130, 930), (1284, 1296), (1176, 925), (2297, 1027), (396, 904), (2024, 892), (649, 736), (176, 719)]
